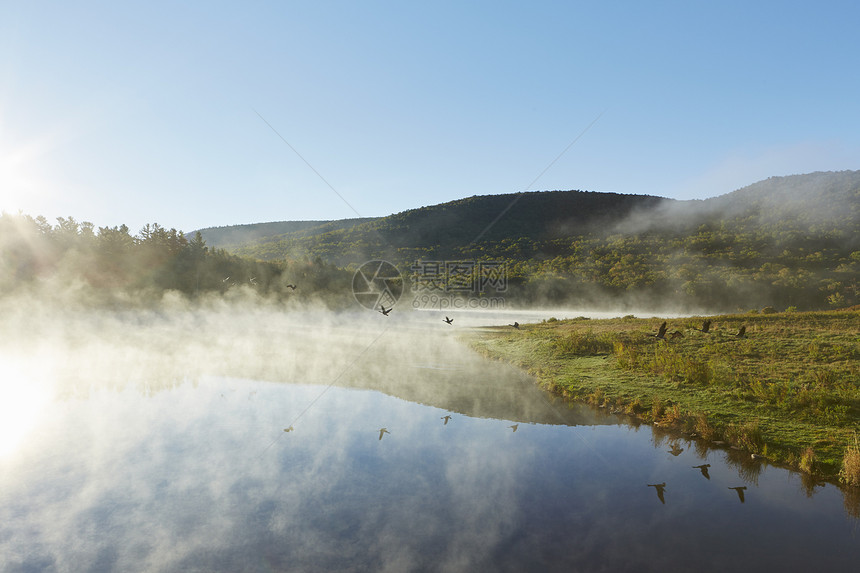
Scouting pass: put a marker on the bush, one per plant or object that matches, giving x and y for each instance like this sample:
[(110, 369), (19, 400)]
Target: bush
[(583, 344), (850, 472)]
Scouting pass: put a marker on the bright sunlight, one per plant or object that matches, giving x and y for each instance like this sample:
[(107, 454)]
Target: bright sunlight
[(23, 396)]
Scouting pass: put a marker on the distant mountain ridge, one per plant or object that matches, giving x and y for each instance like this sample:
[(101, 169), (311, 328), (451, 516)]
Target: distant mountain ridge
[(537, 215), (237, 235), (830, 199), (786, 242)]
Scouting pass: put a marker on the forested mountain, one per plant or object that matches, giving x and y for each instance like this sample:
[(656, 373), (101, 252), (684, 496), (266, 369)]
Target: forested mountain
[(783, 242), (786, 241), (447, 229), (238, 235)]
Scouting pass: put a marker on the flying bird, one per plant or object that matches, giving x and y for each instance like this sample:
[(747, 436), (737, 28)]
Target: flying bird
[(676, 334), (446, 418), (449, 320), (291, 287), (706, 327), (515, 324), (382, 432), (742, 332), (290, 429), (704, 469), (514, 427), (740, 491), (661, 334), (659, 487), (384, 311)]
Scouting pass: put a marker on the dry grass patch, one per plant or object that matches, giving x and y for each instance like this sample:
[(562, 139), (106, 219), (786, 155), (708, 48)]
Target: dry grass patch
[(850, 472)]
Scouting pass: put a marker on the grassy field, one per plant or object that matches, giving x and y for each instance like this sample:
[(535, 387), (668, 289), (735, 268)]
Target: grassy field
[(788, 389)]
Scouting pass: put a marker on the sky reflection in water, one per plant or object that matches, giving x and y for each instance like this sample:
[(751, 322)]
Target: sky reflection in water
[(199, 475)]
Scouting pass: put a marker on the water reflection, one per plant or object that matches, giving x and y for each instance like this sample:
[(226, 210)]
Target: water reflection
[(740, 491), (660, 487), (183, 466), (182, 480), (704, 469)]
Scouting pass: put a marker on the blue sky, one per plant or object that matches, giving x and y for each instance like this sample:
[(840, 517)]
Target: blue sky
[(161, 111)]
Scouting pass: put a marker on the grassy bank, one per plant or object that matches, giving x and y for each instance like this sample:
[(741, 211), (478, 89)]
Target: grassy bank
[(789, 389)]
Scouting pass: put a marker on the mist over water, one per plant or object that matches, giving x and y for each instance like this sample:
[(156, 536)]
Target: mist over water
[(154, 440)]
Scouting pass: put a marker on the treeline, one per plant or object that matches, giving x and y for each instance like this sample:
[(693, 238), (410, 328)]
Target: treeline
[(789, 242), (110, 260), (710, 269), (724, 265)]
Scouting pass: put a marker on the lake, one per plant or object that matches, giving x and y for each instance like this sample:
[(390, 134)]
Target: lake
[(251, 440)]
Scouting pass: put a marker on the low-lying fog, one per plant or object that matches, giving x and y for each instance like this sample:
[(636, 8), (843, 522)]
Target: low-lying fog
[(247, 437)]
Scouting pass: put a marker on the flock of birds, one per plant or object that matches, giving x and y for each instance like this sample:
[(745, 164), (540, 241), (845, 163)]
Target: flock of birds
[(386, 311), (675, 450), (445, 419), (661, 487), (663, 331), (662, 334), (382, 431)]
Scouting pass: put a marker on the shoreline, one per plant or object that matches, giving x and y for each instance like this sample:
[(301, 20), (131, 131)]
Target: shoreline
[(786, 391)]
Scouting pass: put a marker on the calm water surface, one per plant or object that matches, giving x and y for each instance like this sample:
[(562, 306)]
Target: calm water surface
[(130, 465)]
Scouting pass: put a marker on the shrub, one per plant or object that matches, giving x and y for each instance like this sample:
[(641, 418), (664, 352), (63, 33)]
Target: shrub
[(850, 472), (807, 460), (747, 436), (582, 344), (703, 427), (657, 408), (626, 354)]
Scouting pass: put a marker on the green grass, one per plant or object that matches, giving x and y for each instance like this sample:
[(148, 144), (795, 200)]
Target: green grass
[(790, 389)]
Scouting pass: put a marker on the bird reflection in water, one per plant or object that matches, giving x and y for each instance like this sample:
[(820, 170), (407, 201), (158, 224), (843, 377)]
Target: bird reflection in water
[(446, 418), (659, 487), (514, 427), (382, 432), (740, 491), (676, 450), (704, 469)]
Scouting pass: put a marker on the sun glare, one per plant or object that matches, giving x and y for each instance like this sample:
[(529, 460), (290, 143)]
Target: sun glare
[(23, 396)]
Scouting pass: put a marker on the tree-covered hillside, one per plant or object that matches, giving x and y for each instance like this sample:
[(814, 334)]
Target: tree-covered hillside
[(238, 235), (783, 242), (445, 229)]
